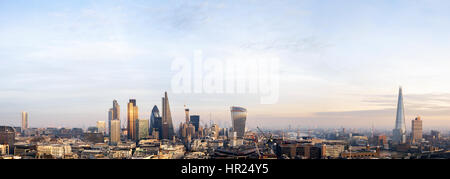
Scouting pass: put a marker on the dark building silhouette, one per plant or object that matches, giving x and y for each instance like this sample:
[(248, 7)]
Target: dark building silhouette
[(8, 137), (167, 125), (93, 137), (195, 120), (155, 114)]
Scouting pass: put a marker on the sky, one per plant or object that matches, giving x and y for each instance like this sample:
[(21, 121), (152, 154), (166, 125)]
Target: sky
[(340, 62)]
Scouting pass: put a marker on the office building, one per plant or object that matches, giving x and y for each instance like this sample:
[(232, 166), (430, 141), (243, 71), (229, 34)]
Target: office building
[(114, 137), (132, 116), (399, 132), (153, 120), (167, 126), (113, 114), (195, 120), (186, 112), (416, 130), (142, 128), (238, 119), (24, 121), (7, 137), (101, 127)]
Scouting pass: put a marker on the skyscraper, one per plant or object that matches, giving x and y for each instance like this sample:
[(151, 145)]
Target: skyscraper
[(141, 128), (399, 132), (7, 137), (167, 126), (24, 121), (116, 110), (195, 120), (155, 114), (132, 116), (238, 119), (186, 112), (113, 114), (110, 118), (114, 136), (101, 126), (416, 130)]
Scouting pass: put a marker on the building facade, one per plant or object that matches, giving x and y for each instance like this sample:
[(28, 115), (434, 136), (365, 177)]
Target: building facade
[(7, 137), (154, 126), (132, 116), (167, 125), (114, 137), (24, 121), (195, 120), (416, 128), (113, 114), (238, 119), (101, 126), (142, 128), (399, 132)]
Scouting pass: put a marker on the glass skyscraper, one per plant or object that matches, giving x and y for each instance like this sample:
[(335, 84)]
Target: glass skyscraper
[(399, 132), (238, 119), (132, 116), (24, 121), (195, 120), (167, 126)]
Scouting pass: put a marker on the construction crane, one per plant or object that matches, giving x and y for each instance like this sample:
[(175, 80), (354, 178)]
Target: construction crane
[(269, 140), (255, 140)]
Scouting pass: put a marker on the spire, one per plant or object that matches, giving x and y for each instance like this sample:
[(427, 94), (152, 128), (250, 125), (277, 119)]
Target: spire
[(400, 126), (166, 118)]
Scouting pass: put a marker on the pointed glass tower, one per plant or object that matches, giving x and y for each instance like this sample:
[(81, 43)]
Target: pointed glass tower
[(167, 126), (399, 132)]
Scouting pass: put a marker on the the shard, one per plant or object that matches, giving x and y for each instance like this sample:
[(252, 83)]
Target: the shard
[(167, 126), (399, 132)]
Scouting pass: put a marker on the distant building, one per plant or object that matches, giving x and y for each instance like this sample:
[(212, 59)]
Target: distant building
[(362, 154), (132, 116), (55, 150), (186, 112), (155, 121), (77, 132), (195, 120), (416, 130), (333, 151), (113, 114), (167, 125), (4, 149), (93, 137), (238, 119), (301, 151), (24, 121), (380, 140), (142, 128), (8, 137), (436, 135), (399, 132), (114, 137), (90, 130), (101, 126), (215, 131)]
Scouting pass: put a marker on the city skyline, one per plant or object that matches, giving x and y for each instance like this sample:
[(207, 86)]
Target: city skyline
[(340, 63), (114, 114)]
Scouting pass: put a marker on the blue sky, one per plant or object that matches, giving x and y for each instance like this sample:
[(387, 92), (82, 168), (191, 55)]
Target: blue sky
[(341, 61)]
